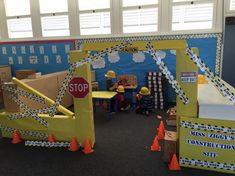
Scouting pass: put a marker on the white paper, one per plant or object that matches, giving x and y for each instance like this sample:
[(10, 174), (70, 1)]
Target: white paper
[(20, 60), (13, 49), (58, 59), (41, 49), (33, 59), (31, 49), (54, 49), (67, 48), (4, 50), (22, 48), (10, 60), (46, 60)]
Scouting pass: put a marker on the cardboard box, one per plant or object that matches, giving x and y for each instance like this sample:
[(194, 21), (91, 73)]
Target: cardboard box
[(22, 74), (35, 75), (67, 100), (48, 84), (5, 76), (169, 145), (93, 76)]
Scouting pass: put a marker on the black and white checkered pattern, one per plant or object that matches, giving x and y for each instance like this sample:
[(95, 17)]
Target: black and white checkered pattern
[(46, 144), (225, 91), (23, 93), (29, 111), (207, 164), (24, 132), (167, 73)]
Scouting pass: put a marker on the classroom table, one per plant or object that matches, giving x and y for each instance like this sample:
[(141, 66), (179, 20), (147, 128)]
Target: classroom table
[(104, 95)]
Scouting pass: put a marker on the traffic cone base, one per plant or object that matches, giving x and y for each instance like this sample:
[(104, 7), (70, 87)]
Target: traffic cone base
[(174, 164), (155, 146), (87, 147), (73, 147), (16, 138), (51, 138), (155, 149)]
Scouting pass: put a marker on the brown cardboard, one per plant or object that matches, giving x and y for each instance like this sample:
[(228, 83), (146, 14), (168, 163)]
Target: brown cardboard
[(5, 76), (48, 84), (67, 100), (93, 76), (22, 74)]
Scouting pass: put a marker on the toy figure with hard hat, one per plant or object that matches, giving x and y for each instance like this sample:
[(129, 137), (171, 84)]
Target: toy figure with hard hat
[(144, 101), (122, 103), (110, 75)]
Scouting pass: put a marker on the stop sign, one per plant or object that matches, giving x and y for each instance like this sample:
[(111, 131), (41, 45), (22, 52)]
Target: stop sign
[(78, 87)]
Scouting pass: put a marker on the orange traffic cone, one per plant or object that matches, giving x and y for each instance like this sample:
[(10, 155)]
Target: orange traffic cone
[(155, 146), (73, 147), (16, 137), (174, 164), (87, 147), (51, 138), (161, 131)]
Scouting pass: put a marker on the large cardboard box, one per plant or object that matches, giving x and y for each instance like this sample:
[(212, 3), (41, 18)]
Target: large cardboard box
[(22, 74), (67, 100), (5, 76), (48, 84)]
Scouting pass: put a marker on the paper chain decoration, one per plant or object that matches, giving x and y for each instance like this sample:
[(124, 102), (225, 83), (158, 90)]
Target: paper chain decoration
[(167, 73), (209, 74)]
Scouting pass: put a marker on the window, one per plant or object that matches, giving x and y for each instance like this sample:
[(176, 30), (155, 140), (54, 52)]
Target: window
[(94, 17), (54, 18), (232, 5), (188, 14), (18, 17), (140, 16)]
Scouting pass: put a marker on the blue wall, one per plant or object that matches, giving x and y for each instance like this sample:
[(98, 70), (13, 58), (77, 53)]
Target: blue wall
[(126, 64), (55, 51), (122, 63)]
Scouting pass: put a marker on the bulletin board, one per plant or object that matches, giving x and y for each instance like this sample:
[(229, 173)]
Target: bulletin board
[(42, 56)]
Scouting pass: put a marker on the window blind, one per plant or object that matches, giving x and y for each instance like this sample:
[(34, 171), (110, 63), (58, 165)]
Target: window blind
[(19, 28), (232, 5), (192, 16), (55, 26), (95, 23), (141, 20)]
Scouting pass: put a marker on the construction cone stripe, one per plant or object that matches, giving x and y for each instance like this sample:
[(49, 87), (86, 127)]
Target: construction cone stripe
[(161, 131), (16, 138), (155, 146), (87, 147), (73, 147), (174, 164), (51, 138)]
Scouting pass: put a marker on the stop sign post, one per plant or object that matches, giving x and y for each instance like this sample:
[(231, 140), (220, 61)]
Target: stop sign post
[(78, 87)]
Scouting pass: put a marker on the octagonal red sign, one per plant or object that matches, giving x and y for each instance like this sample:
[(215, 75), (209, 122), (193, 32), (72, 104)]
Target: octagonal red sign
[(78, 87)]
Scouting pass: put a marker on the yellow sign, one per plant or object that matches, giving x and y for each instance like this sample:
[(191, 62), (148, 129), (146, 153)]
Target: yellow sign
[(207, 144)]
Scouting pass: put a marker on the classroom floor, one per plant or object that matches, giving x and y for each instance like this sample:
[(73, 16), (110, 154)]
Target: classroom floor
[(122, 149)]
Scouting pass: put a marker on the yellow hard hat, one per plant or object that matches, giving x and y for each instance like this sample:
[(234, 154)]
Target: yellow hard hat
[(201, 79), (120, 89), (110, 74), (144, 91)]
